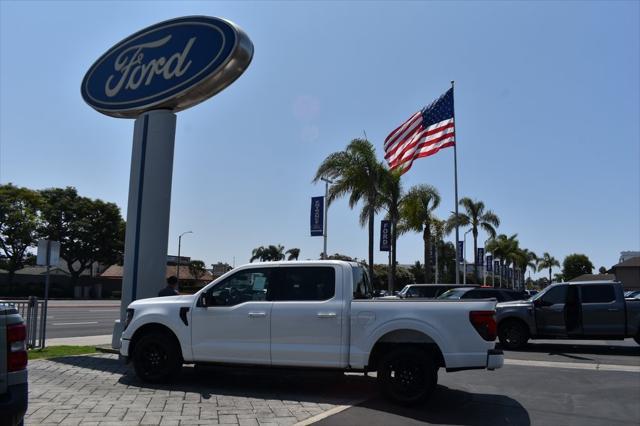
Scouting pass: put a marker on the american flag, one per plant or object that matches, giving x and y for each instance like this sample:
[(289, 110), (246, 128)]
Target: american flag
[(424, 133)]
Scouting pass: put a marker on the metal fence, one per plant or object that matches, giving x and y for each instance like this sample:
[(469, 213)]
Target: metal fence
[(32, 311)]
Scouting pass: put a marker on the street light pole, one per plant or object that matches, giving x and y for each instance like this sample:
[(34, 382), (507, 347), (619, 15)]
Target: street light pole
[(179, 244), (464, 257), (326, 215)]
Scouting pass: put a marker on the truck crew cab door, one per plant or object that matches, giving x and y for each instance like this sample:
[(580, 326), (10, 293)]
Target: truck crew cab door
[(549, 312), (306, 318), (231, 320), (602, 314)]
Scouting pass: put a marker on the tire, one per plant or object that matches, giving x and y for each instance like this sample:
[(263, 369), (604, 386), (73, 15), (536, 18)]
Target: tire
[(513, 334), (156, 358), (407, 375)]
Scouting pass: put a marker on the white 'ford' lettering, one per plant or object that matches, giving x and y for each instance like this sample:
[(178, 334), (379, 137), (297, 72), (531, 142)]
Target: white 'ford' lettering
[(133, 72)]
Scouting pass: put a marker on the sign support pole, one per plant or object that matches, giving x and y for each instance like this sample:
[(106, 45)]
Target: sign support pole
[(145, 250)]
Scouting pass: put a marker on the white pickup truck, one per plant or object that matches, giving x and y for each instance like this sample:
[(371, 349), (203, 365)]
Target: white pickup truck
[(311, 314)]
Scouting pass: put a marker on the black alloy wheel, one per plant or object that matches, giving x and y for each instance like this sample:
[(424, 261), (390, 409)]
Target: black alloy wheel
[(156, 358), (407, 375), (513, 335)]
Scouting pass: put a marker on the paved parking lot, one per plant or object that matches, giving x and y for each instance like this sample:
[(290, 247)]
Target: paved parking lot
[(100, 390), (550, 383)]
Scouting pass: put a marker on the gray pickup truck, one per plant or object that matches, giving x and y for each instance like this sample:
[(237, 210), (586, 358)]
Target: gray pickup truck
[(13, 366), (574, 310)]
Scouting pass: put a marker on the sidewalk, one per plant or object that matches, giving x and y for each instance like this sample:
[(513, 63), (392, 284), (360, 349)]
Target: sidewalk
[(104, 339)]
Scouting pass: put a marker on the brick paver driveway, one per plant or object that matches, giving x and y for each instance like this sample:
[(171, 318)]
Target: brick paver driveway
[(100, 390)]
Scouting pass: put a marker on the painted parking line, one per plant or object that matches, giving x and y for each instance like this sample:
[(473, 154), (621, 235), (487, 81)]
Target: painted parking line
[(74, 323), (574, 365), (329, 413)]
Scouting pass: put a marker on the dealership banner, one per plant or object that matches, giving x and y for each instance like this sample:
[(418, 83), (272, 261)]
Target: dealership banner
[(460, 251), (480, 256), (489, 263), (317, 216), (385, 235), (496, 267)]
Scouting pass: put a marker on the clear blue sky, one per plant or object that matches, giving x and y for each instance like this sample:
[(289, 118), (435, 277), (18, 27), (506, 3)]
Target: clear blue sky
[(547, 110)]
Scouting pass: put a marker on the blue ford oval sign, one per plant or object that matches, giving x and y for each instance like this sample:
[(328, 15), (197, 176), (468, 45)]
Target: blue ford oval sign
[(171, 65)]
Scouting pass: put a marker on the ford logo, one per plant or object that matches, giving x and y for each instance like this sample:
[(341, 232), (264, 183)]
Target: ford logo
[(171, 65)]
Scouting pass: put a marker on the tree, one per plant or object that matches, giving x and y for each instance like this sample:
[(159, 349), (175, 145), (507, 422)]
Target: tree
[(403, 275), (575, 265), (293, 253), (547, 262), (602, 270), (416, 215), (391, 197), (504, 249), (88, 230), (526, 259), (19, 225), (558, 278), (197, 269), (268, 254), (338, 256), (418, 272), (477, 217), (355, 172)]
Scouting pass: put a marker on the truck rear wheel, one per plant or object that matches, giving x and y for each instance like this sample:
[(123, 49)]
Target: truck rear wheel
[(513, 334), (156, 358), (407, 375)]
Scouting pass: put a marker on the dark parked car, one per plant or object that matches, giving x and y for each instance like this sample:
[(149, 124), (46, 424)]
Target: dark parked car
[(500, 294), (574, 310), (425, 291)]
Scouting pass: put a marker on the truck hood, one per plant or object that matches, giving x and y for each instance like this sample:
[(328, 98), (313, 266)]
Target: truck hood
[(513, 303), (186, 299)]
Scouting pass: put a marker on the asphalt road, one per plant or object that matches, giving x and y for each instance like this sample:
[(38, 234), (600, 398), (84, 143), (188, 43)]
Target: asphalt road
[(81, 318)]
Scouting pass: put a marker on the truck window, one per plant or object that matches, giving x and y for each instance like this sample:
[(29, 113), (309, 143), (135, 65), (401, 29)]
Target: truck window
[(597, 293), (306, 283), (361, 284), (243, 286), (555, 295)]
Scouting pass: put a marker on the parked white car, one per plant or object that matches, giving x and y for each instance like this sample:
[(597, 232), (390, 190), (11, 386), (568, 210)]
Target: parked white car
[(318, 314)]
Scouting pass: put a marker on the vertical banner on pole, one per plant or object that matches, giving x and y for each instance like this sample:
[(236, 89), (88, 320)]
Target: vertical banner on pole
[(385, 235), (317, 216), (460, 250), (489, 263), (480, 256), (496, 267)]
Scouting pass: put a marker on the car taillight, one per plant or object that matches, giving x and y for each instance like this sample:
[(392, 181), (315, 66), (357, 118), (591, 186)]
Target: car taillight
[(485, 324), (16, 347)]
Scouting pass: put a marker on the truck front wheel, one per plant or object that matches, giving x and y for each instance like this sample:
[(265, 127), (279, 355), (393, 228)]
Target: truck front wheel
[(407, 375), (156, 359), (513, 334)]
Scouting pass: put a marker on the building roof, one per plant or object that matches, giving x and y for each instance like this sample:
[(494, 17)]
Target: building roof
[(594, 277), (633, 262), (115, 272)]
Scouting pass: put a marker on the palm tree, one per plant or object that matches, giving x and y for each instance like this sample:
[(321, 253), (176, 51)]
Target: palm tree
[(267, 254), (355, 172), (438, 231), (503, 249), (558, 277), (526, 259), (547, 262), (391, 198), (477, 217), (417, 215), (293, 253)]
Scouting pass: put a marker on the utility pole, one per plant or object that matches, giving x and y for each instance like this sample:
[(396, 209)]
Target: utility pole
[(179, 260), (326, 215)]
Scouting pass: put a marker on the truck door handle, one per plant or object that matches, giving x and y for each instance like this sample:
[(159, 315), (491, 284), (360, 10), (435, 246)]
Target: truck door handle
[(326, 314), (613, 310), (257, 314)]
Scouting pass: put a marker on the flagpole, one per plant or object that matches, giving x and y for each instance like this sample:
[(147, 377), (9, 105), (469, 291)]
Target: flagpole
[(455, 172)]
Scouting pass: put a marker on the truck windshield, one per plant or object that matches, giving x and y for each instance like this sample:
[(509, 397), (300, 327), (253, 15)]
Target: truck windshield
[(361, 283)]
